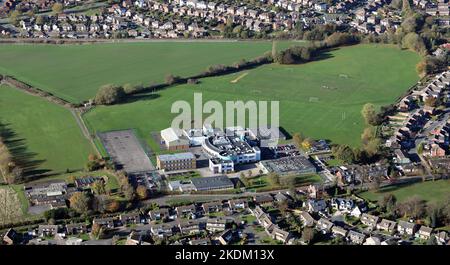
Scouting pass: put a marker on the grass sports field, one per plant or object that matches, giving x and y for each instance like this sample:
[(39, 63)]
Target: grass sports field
[(430, 191), (45, 136), (321, 99), (75, 72)]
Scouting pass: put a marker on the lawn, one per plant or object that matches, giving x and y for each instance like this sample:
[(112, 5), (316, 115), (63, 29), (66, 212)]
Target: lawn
[(75, 72), (431, 191), (44, 136), (321, 99)]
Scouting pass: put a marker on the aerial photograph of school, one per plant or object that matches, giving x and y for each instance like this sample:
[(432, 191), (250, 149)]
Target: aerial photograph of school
[(360, 154)]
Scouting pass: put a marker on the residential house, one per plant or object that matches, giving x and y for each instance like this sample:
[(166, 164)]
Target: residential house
[(159, 214), (281, 197), (135, 238), (257, 212), (107, 222), (130, 218), (344, 205), (324, 225), (216, 224), (162, 230), (237, 204), (372, 241), (200, 242), (387, 226), (212, 207), (190, 227), (339, 231), (424, 232), (369, 220), (406, 228), (77, 228), (280, 234), (266, 221), (356, 237), (314, 206), (264, 199), (186, 211), (47, 230), (11, 237), (442, 237), (227, 237), (306, 219)]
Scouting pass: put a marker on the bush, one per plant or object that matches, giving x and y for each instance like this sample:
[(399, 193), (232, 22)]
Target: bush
[(171, 79), (131, 89), (296, 54), (430, 65), (414, 42), (341, 38), (193, 81), (109, 94)]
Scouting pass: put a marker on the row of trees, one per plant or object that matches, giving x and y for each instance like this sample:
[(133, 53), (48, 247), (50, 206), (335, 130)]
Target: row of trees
[(16, 15), (9, 170), (112, 94), (302, 54), (432, 64)]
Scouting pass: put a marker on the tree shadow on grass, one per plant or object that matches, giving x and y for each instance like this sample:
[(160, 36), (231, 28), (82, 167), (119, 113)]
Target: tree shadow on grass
[(140, 97), (21, 155), (396, 186), (323, 55)]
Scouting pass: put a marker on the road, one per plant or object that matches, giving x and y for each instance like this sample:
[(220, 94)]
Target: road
[(207, 197)]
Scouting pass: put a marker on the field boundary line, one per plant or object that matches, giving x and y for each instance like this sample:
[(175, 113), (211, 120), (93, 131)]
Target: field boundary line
[(234, 81)]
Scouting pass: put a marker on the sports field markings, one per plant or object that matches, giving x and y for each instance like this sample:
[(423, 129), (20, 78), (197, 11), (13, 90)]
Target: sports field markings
[(238, 78)]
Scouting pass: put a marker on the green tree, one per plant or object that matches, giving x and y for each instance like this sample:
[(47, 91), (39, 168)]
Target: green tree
[(99, 187), (113, 206), (109, 94), (40, 20), (80, 202), (57, 8), (129, 192), (369, 114), (142, 192), (298, 139), (274, 179), (97, 231), (414, 42), (308, 235), (343, 152), (14, 17)]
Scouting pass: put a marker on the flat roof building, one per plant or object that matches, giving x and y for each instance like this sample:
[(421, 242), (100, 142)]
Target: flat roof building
[(232, 148), (289, 165), (212, 183), (217, 165), (180, 161)]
